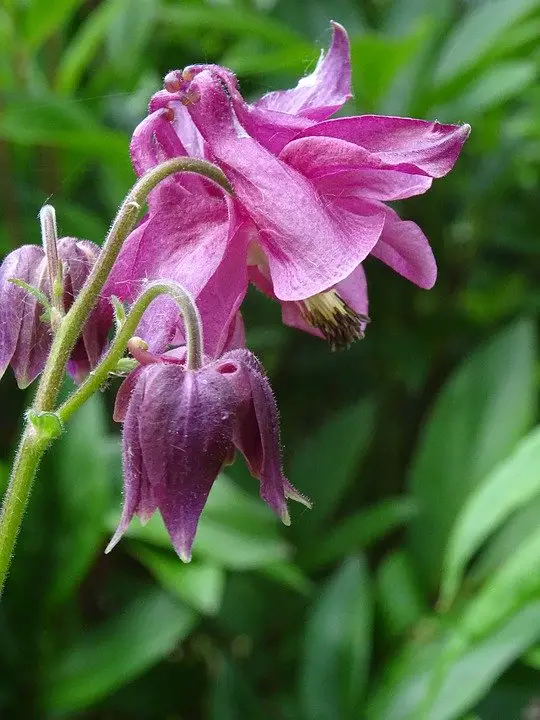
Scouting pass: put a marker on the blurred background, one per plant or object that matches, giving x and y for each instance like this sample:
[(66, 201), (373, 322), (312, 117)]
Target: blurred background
[(412, 589)]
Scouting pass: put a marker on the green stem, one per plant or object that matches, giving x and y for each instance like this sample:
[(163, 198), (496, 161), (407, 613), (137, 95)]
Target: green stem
[(125, 220), (194, 342), (29, 453), (34, 443)]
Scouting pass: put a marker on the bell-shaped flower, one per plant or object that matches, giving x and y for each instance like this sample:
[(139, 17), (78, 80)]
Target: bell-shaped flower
[(311, 191), (182, 426), (25, 330)]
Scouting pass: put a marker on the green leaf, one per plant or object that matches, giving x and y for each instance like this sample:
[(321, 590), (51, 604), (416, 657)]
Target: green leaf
[(514, 584), (337, 646), (479, 30), (360, 530), (197, 18), (199, 585), (480, 415), (117, 651), (129, 31), (406, 681), (496, 86), (327, 463), (82, 487), (45, 18), (376, 60), (510, 486), (84, 45), (399, 596)]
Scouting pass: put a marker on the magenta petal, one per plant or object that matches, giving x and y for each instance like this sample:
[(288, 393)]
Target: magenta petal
[(309, 245), (325, 90), (404, 247), (373, 184), (428, 147)]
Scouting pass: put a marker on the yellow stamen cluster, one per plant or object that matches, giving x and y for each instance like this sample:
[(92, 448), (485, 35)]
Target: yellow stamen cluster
[(338, 322)]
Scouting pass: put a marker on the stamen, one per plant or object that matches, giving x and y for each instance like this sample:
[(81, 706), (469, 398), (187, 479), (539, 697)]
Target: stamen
[(338, 322)]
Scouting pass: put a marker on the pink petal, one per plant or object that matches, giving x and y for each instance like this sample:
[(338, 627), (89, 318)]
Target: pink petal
[(404, 247), (309, 245), (220, 300), (373, 184), (319, 95), (428, 147), (184, 238)]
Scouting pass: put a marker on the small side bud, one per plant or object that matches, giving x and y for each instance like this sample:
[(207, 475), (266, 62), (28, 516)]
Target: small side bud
[(46, 424), (119, 312)]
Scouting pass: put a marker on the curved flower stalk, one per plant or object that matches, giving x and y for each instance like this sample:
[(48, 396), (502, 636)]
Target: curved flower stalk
[(310, 192)]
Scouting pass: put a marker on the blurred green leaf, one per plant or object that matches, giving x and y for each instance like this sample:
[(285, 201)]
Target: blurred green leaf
[(492, 88), (478, 31), (327, 463), (479, 416), (337, 646), (404, 14), (514, 584), (231, 698), (360, 530), (199, 585), (85, 44), (521, 525), (189, 18), (115, 652), (399, 596), (83, 481), (405, 683), (45, 18), (65, 125), (376, 61), (510, 486), (129, 30)]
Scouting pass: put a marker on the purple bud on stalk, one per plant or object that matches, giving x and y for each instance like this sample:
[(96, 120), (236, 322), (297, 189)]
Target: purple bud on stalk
[(25, 333), (181, 426)]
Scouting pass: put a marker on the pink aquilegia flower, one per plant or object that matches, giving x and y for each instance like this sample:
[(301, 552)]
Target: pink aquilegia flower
[(310, 193), (25, 332), (181, 426)]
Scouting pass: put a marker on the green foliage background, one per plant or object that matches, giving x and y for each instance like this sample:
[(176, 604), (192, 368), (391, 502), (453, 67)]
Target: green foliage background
[(412, 590)]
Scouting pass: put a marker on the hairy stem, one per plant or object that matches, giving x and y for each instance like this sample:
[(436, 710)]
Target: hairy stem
[(194, 341), (127, 216)]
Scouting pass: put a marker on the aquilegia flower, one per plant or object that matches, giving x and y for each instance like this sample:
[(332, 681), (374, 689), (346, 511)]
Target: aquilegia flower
[(181, 426), (25, 330), (310, 193)]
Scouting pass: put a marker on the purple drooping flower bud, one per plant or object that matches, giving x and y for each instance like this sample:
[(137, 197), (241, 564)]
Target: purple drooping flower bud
[(25, 333), (181, 426)]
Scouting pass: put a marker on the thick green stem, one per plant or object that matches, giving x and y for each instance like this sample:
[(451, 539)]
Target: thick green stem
[(29, 453), (34, 442), (194, 342)]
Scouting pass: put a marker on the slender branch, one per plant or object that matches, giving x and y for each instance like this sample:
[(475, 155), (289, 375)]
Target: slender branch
[(34, 442), (194, 341), (125, 220)]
